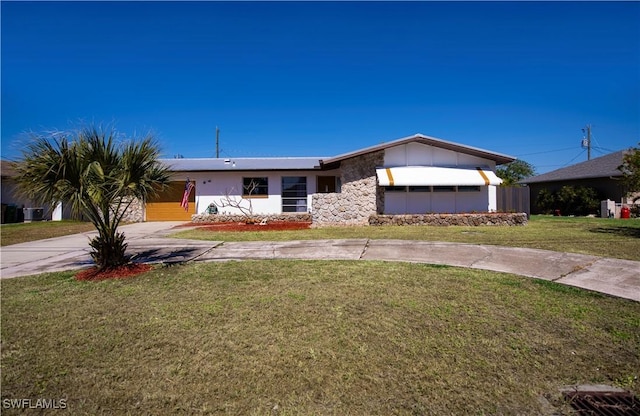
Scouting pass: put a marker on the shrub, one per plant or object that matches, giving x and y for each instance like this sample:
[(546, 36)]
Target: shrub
[(570, 200)]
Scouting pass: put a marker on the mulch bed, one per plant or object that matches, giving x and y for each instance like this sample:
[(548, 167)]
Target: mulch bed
[(240, 226), (122, 272)]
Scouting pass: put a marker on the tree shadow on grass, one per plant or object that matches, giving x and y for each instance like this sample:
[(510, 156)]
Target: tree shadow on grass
[(633, 232)]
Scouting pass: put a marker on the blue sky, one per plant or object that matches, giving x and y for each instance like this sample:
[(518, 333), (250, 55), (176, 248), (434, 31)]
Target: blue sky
[(324, 78)]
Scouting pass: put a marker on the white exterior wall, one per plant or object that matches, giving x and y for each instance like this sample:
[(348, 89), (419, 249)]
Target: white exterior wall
[(439, 202), (416, 154), (213, 186), (493, 199)]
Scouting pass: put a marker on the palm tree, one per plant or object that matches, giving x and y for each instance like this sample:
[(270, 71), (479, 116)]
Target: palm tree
[(98, 175)]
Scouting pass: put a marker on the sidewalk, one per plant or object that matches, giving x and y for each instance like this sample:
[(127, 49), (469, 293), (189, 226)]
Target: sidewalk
[(147, 242)]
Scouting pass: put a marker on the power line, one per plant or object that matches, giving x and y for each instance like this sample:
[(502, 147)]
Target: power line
[(579, 154), (546, 151), (600, 150), (603, 149)]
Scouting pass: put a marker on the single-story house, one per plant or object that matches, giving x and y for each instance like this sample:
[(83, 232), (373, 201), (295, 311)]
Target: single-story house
[(601, 174), (412, 175)]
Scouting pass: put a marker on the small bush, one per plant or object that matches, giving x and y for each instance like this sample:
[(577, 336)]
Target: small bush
[(570, 200)]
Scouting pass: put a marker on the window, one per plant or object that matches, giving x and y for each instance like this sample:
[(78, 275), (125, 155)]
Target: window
[(444, 189), (294, 194), (468, 189), (326, 184), (255, 187), (419, 189), (395, 188)]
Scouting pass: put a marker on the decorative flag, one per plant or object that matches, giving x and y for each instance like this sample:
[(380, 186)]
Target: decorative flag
[(185, 197)]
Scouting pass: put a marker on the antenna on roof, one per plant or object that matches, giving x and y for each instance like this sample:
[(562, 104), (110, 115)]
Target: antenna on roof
[(217, 142)]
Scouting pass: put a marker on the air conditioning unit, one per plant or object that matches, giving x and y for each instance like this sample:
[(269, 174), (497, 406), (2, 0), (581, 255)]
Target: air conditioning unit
[(33, 214)]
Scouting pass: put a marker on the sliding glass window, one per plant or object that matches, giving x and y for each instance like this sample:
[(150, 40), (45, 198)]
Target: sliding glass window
[(294, 194)]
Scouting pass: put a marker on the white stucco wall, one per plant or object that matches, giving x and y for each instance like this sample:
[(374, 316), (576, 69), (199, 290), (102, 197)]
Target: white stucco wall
[(417, 154), (212, 187)]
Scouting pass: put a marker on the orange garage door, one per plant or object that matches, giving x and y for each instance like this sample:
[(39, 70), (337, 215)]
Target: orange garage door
[(166, 206)]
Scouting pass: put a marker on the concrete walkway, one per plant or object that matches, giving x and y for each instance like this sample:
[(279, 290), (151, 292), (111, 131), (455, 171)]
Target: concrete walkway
[(148, 243)]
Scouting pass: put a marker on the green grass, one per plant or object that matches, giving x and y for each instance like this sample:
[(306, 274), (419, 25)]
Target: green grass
[(302, 338), (31, 231), (596, 236)]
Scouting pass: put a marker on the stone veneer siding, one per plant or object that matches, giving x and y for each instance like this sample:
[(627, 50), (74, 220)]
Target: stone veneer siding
[(359, 198), (451, 219), (135, 212)]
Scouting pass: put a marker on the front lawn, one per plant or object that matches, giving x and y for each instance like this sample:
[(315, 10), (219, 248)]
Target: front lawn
[(32, 231), (595, 236), (304, 337)]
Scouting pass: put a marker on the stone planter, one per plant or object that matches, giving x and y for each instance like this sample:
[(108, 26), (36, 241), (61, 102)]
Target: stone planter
[(220, 218)]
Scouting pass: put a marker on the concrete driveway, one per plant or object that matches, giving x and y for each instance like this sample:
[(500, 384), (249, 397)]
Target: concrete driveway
[(148, 243)]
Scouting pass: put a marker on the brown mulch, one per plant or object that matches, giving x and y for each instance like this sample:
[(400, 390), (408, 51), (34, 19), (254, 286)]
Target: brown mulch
[(122, 272), (269, 226)]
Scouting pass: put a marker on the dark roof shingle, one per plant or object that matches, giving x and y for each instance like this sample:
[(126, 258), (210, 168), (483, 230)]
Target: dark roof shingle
[(601, 167)]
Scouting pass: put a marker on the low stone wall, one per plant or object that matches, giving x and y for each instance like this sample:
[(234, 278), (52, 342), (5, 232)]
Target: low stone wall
[(451, 219), (217, 218)]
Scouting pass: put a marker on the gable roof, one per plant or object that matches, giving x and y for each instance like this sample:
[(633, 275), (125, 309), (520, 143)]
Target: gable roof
[(499, 158), (317, 163), (601, 167)]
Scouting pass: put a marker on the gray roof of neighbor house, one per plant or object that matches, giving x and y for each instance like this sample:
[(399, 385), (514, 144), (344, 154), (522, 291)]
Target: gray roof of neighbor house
[(499, 158), (242, 163), (7, 168), (601, 167)]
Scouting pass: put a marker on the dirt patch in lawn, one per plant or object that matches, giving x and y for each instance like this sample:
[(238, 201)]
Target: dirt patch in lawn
[(122, 272), (269, 226)]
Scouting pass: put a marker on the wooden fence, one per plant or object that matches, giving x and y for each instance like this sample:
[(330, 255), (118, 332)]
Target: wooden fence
[(513, 199)]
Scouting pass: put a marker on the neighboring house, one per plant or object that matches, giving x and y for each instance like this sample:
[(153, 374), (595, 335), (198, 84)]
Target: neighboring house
[(11, 203), (7, 172), (601, 174), (412, 175)]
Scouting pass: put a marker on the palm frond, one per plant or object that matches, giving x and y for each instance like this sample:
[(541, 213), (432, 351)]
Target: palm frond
[(94, 172)]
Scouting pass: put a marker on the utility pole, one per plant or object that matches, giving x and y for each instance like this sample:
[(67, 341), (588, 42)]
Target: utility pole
[(587, 142), (217, 142)]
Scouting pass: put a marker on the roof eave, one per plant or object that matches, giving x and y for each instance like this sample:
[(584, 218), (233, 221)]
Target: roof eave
[(577, 178)]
